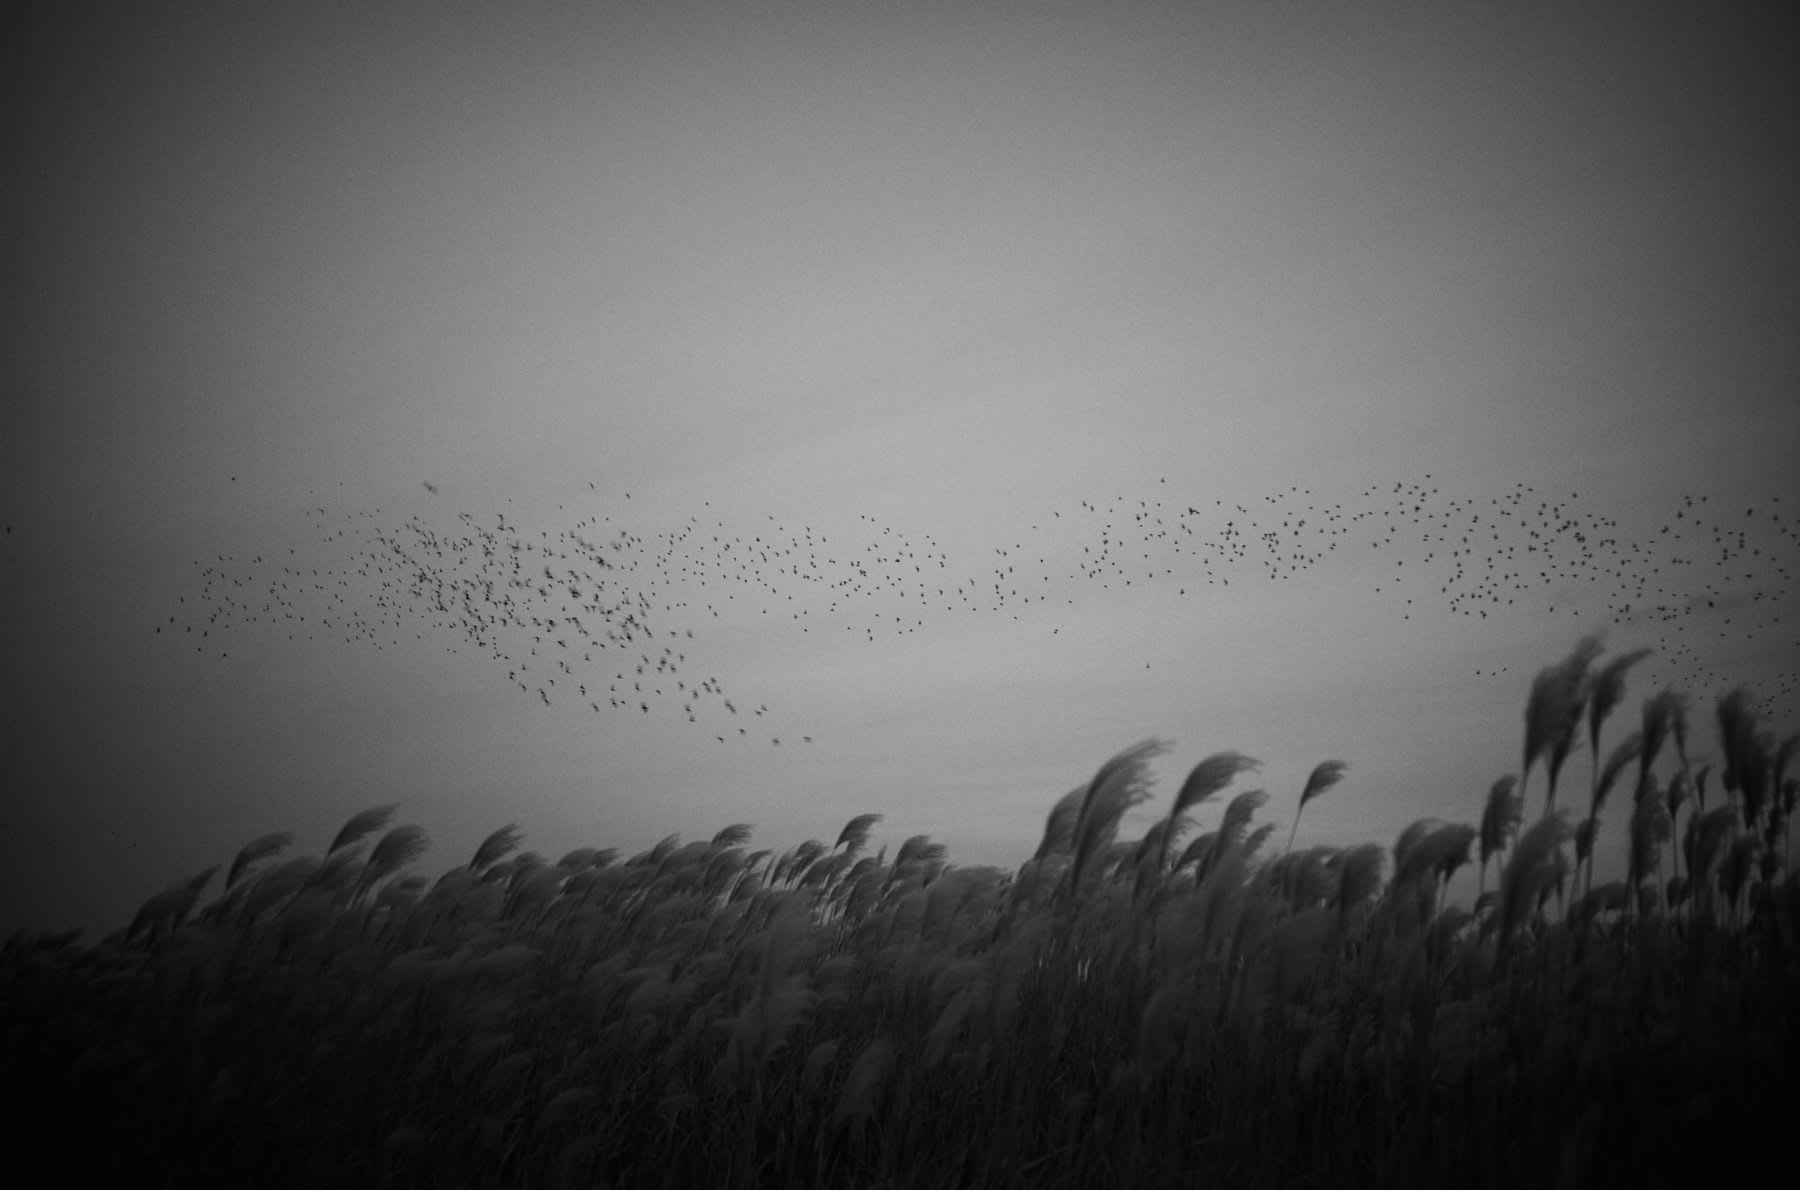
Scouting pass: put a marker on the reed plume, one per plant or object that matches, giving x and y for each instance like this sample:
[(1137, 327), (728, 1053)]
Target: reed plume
[(254, 852), (735, 835), (1651, 827), (1499, 821), (1426, 856), (496, 847), (1121, 783), (1662, 712), (1530, 872), (862, 1089), (1408, 843), (1229, 844), (1709, 835), (277, 886), (855, 835), (1059, 825), (1623, 754), (1324, 776), (365, 823), (1606, 693), (1735, 872), (1627, 750), (1553, 712), (167, 910), (1745, 754), (915, 1025), (1203, 783), (394, 851), (1359, 875)]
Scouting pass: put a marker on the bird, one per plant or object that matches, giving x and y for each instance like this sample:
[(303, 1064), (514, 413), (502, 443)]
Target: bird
[(595, 593)]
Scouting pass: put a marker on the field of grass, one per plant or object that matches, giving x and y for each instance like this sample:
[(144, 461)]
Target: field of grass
[(1177, 1010)]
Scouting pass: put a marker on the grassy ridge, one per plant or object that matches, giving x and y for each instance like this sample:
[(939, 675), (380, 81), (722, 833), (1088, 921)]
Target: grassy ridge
[(1116, 1012)]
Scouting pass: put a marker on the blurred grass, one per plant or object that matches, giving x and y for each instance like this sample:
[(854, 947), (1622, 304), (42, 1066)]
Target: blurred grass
[(1148, 1012)]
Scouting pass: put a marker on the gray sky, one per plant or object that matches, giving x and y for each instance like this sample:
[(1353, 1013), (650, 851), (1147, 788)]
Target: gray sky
[(903, 284)]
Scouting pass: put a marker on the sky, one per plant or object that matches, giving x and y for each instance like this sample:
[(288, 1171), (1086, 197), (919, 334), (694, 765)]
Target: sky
[(961, 392)]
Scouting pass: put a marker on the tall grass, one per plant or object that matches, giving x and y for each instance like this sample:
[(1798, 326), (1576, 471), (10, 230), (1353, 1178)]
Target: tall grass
[(1115, 1012)]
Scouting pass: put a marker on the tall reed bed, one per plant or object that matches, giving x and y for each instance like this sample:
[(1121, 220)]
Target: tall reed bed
[(1183, 1009)]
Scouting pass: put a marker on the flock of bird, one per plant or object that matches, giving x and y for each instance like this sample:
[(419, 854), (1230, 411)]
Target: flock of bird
[(604, 618)]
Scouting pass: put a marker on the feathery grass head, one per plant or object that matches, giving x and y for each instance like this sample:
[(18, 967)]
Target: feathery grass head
[(1585, 832), (1230, 846), (1149, 856), (1627, 750), (1359, 875), (919, 860), (338, 869), (824, 871), (1038, 879), (735, 835), (1409, 842), (1449, 849), (1210, 776), (365, 823), (1736, 713), (1534, 866), (1255, 839), (1748, 755), (1662, 711), (807, 854), (1204, 781), (1151, 845), (170, 907), (1121, 783), (396, 849), (278, 884), (1554, 708), (401, 893), (855, 835), (1680, 787), (917, 847), (579, 859), (1610, 897), (1607, 691), (1564, 743), (1430, 847), (721, 870), (1678, 724), (782, 1001), (1740, 863), (1543, 713), (1711, 832), (1303, 877), (1784, 758), (1651, 827), (1059, 825), (1239, 811), (1197, 851), (868, 1076), (254, 852), (496, 847), (1324, 775), (1500, 820)]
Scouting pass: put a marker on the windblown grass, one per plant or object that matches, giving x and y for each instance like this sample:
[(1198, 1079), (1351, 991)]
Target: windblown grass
[(1116, 1012)]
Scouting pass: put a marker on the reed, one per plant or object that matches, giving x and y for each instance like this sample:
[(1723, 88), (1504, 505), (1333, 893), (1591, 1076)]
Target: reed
[(702, 1014)]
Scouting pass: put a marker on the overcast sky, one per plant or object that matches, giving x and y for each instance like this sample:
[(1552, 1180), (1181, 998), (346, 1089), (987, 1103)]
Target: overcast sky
[(1294, 379)]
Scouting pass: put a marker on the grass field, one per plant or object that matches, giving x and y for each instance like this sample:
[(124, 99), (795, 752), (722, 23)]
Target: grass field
[(1179, 1010)]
